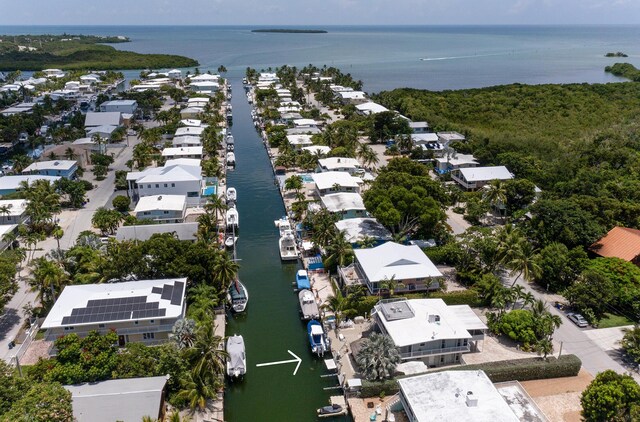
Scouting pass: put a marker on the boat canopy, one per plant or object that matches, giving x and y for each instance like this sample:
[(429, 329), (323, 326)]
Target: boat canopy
[(235, 349), (316, 330)]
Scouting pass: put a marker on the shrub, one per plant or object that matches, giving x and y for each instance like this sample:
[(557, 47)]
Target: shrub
[(121, 203), (462, 297), (518, 325), (374, 389)]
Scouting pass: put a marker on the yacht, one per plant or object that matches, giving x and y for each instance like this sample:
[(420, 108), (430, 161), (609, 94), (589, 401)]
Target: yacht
[(283, 225), (236, 357), (232, 218), (288, 247)]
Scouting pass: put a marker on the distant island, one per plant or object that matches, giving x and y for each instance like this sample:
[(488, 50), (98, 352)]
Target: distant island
[(75, 52), (618, 54), (292, 31)]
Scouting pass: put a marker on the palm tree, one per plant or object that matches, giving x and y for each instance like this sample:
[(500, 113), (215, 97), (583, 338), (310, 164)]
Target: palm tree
[(390, 284), (225, 270), (378, 357), (175, 417), (57, 234), (525, 263), (205, 357), (216, 205), (294, 183), (183, 333), (46, 278), (367, 242), (196, 392), (339, 250), (495, 194), (544, 347), (336, 304), (207, 228), (528, 299), (517, 292), (69, 154)]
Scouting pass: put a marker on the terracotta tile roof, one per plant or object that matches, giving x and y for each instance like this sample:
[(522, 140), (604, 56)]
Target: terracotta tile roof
[(620, 242)]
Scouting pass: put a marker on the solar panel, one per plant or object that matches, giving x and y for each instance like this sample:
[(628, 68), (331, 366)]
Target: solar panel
[(167, 290), (176, 297), (156, 290)]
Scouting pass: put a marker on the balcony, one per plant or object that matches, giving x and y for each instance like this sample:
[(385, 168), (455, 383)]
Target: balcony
[(435, 352)]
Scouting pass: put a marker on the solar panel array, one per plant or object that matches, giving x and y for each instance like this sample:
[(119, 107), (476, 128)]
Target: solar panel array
[(126, 308)]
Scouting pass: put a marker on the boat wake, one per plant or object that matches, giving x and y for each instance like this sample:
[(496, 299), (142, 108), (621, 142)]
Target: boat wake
[(429, 59)]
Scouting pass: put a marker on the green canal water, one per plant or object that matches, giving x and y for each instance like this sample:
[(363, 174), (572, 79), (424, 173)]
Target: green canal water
[(271, 325)]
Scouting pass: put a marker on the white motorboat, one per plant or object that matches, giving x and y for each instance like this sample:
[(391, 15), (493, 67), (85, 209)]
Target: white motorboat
[(232, 218), (230, 241), (229, 140), (232, 194), (283, 225), (236, 357), (308, 305), (288, 247), (231, 159), (237, 296)]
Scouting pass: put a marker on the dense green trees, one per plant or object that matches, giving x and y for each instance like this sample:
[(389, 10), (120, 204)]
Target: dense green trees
[(378, 357), (611, 397)]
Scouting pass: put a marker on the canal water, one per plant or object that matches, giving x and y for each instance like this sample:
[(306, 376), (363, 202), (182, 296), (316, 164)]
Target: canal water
[(271, 326)]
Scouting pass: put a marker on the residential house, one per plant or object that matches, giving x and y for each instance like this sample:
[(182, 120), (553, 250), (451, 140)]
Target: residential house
[(455, 161), (198, 102), (125, 400), (186, 141), (335, 181), (141, 311), (473, 178), (428, 142), (306, 130), (620, 242), (462, 396), (205, 77), (90, 79), (95, 119), (174, 74), (419, 127), (172, 179), (345, 164), (104, 132), (352, 97), (191, 122), (406, 264), (317, 149), (191, 112), (62, 168), (428, 329), (161, 208), (358, 229), (12, 211), (299, 141), (448, 137), (189, 130), (182, 231), (10, 184), (204, 87), (182, 152), (53, 73), (119, 106), (5, 238), (370, 107), (346, 205)]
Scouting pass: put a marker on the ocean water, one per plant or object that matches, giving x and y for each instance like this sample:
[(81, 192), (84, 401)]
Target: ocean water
[(387, 57)]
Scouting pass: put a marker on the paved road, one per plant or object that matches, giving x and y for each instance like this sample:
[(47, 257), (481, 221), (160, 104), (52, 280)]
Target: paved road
[(72, 222)]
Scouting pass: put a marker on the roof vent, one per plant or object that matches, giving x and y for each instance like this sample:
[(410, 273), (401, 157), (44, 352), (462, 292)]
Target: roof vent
[(160, 198), (472, 401), (56, 163)]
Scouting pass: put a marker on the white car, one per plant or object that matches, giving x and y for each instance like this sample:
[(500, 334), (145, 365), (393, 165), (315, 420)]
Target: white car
[(578, 320)]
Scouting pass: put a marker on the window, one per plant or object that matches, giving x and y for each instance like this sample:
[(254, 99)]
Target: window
[(148, 186), (441, 358), (192, 194), (444, 344), (100, 325), (135, 322), (465, 342), (457, 358), (166, 185), (148, 336), (141, 186), (152, 321), (69, 328), (173, 185), (165, 212), (157, 185)]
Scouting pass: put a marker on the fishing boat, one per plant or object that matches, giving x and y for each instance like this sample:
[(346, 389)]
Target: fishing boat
[(288, 247), (237, 296), (302, 279), (236, 357), (232, 218), (308, 305), (229, 140), (231, 159), (317, 338), (230, 241), (283, 225), (232, 194)]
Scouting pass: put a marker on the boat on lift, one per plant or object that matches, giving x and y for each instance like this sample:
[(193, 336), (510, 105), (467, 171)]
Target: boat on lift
[(317, 338)]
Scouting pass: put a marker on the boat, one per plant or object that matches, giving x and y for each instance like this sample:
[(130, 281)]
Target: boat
[(230, 147), (232, 218), (331, 410), (229, 140), (237, 296), (317, 338), (288, 247), (283, 225), (302, 279), (308, 305), (232, 194), (236, 357), (230, 241), (231, 159)]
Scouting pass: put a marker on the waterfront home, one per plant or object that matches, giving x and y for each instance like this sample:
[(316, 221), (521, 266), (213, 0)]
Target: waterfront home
[(370, 107), (336, 89), (95, 119), (419, 127), (22, 108), (189, 130), (428, 142), (461, 396), (192, 122), (182, 152), (182, 231), (352, 97), (406, 264), (62, 168), (455, 161), (473, 178), (204, 87), (335, 181), (172, 179), (349, 165), (12, 211), (53, 73), (429, 330), (317, 149), (120, 106), (11, 184), (90, 79), (268, 77), (198, 102), (299, 141), (205, 77), (189, 162), (141, 311), (186, 141), (191, 112), (447, 137), (358, 229), (346, 205), (309, 130), (129, 399), (72, 86), (161, 208), (174, 74), (620, 242)]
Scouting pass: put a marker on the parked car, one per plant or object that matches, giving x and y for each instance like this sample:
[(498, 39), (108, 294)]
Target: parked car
[(578, 320)]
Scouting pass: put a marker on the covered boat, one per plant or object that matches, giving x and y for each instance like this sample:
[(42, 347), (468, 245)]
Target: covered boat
[(237, 296), (232, 218), (288, 247), (302, 279), (308, 305), (317, 338), (231, 159), (232, 195), (236, 357)]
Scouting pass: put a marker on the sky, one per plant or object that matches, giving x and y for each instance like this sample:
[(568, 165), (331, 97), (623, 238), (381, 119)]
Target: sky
[(318, 12)]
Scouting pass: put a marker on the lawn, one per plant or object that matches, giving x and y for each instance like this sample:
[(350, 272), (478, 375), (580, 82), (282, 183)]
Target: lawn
[(612, 320)]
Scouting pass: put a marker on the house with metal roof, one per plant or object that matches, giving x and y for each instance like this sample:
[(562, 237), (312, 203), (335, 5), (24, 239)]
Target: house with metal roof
[(370, 108), (93, 119), (455, 161), (447, 137), (182, 152), (62, 168), (120, 106), (141, 311), (12, 211), (299, 141), (335, 181), (189, 130), (428, 329), (186, 141), (126, 400), (472, 178), (419, 127), (352, 97), (350, 165), (345, 204), (161, 208), (172, 179), (10, 184), (358, 229)]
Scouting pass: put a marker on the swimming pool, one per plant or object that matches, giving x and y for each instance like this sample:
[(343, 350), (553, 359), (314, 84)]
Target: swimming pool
[(209, 191), (306, 177)]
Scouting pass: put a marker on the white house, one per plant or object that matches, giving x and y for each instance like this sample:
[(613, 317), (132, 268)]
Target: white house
[(189, 130), (345, 204), (204, 77), (335, 181), (174, 74), (53, 73), (476, 177), (419, 127), (346, 164), (103, 131), (428, 329), (457, 396), (197, 102), (317, 149), (186, 141), (358, 229), (447, 137), (182, 231), (93, 119), (12, 211), (191, 122), (204, 87), (121, 106), (5, 239), (161, 208), (141, 311), (90, 79), (10, 184), (182, 152), (299, 141), (455, 161), (352, 97), (191, 112), (370, 108), (406, 264), (62, 168), (168, 180)]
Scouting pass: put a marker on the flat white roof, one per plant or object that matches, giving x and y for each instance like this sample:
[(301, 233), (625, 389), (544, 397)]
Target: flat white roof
[(205, 77), (356, 229), (327, 179), (333, 163), (198, 100), (442, 396), (189, 130), (299, 139), (172, 152), (483, 174), (317, 149), (304, 122), (13, 182), (395, 260), (15, 207), (343, 201), (458, 159), (352, 95), (420, 138), (371, 108), (187, 139), (51, 165), (119, 103), (112, 118), (451, 136), (168, 173), (189, 162), (416, 125), (7, 228), (191, 122), (161, 203), (116, 299)]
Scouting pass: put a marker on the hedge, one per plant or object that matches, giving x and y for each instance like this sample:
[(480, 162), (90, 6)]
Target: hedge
[(500, 371), (460, 297)]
